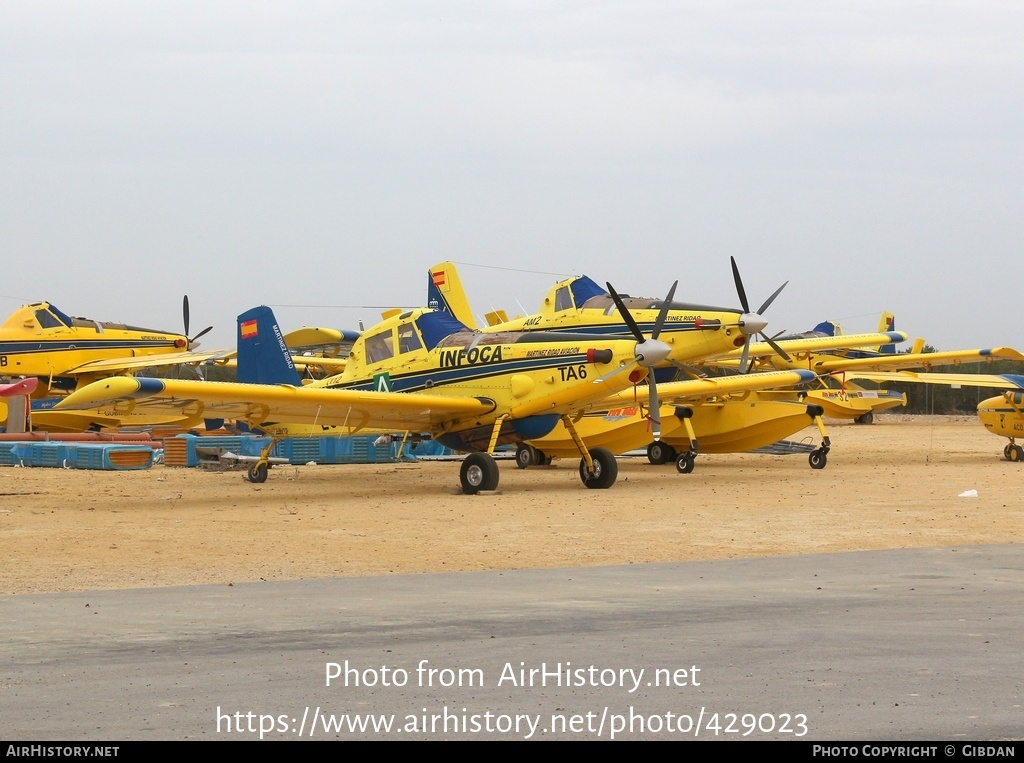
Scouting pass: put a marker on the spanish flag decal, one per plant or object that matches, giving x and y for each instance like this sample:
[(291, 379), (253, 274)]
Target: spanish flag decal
[(249, 329), (438, 277)]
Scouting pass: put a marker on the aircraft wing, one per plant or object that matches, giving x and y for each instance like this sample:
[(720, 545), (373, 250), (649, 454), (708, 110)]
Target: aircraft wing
[(925, 360), (258, 404), (114, 365), (994, 381), (310, 338), (817, 344), (690, 390)]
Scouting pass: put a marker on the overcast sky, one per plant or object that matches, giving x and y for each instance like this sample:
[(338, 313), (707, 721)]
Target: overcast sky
[(326, 154)]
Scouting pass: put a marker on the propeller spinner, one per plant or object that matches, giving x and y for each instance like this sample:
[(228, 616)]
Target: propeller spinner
[(648, 352), (753, 323)]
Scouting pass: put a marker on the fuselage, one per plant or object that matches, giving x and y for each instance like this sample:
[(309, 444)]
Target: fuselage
[(40, 340)]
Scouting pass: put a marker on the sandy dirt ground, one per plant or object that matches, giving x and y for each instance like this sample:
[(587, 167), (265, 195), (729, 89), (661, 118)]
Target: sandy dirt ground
[(894, 484)]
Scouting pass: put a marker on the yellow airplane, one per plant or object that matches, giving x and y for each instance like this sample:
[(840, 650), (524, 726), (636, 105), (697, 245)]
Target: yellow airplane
[(418, 371), (41, 341), (579, 305), (1002, 415), (728, 419)]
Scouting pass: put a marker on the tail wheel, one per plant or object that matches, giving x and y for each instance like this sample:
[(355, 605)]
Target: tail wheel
[(526, 455), (659, 452), (257, 472), (606, 469), (479, 472), (817, 459)]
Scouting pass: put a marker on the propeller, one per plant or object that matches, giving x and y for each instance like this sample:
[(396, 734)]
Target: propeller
[(648, 352), (192, 343), (753, 323)]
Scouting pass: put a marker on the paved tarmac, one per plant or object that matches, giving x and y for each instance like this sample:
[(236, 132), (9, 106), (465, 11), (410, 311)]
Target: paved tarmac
[(888, 645)]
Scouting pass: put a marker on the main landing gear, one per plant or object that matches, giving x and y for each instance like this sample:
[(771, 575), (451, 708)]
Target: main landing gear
[(819, 458), (527, 455), (604, 471), (1013, 452), (479, 472)]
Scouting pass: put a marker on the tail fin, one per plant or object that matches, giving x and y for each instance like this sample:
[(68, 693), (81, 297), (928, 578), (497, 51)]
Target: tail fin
[(263, 356), (445, 293), (887, 323)]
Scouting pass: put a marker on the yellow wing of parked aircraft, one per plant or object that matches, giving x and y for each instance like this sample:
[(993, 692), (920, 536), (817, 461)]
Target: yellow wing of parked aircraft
[(838, 396), (1002, 415), (419, 371)]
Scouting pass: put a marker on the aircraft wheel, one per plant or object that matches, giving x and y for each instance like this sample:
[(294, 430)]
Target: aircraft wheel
[(659, 452), (543, 459), (479, 472), (1006, 451), (866, 418), (1017, 453), (606, 469), (526, 455), (817, 459), (257, 472), (685, 463)]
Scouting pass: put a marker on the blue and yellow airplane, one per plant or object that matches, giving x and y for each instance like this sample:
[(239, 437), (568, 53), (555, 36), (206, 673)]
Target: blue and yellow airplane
[(419, 371), (40, 340), (580, 306), (731, 417)]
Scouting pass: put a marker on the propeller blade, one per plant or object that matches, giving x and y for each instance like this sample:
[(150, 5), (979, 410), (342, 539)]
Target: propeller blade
[(192, 342), (772, 343), (771, 299), (664, 311), (626, 317), (184, 313), (615, 370), (739, 285), (654, 408), (745, 356)]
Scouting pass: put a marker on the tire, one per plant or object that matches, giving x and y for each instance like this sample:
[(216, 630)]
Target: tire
[(606, 469), (817, 460), (1017, 454), (685, 463), (526, 456), (542, 458), (257, 473), (866, 418), (1006, 451), (659, 452), (479, 472)]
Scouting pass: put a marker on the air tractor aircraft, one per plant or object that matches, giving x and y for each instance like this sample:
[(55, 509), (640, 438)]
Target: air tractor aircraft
[(419, 371), (728, 414), (41, 341)]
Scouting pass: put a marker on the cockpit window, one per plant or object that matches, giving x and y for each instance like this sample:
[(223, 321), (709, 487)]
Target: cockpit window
[(380, 347), (408, 339), (47, 320), (563, 299)]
